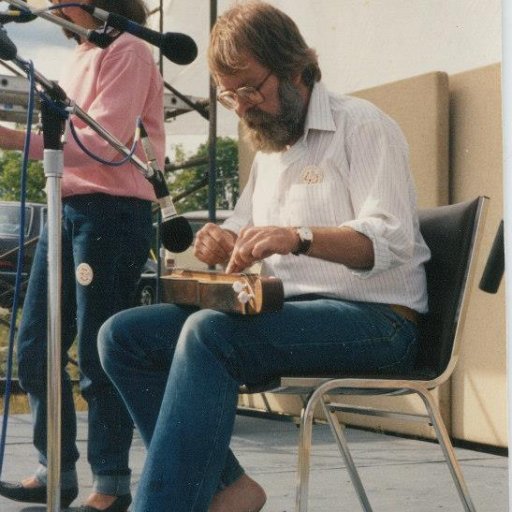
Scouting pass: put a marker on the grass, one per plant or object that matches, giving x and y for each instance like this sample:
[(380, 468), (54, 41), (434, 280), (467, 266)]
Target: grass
[(18, 402)]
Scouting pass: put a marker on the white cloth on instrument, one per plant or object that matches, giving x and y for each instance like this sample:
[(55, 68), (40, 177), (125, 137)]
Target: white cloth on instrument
[(350, 168)]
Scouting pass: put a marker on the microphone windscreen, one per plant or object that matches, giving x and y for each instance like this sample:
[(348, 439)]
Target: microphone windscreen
[(176, 234), (16, 15), (178, 48), (8, 50)]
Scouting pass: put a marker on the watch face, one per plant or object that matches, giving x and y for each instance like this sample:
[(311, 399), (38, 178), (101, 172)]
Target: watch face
[(305, 234), (305, 240)]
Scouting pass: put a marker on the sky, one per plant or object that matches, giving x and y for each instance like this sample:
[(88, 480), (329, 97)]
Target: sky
[(42, 42)]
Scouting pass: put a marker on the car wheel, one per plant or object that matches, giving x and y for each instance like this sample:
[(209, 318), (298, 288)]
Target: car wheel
[(145, 295)]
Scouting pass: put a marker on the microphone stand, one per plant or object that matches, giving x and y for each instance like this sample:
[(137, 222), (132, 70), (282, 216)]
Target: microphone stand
[(53, 165)]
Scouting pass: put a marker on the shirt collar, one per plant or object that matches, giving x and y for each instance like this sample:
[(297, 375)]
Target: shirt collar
[(319, 115)]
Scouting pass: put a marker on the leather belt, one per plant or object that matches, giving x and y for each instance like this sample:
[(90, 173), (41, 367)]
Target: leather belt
[(405, 312)]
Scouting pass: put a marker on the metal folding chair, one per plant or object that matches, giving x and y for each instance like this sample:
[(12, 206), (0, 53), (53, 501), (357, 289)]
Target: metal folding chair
[(452, 234)]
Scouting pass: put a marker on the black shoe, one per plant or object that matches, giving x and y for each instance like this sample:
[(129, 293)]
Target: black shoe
[(121, 504), (16, 492)]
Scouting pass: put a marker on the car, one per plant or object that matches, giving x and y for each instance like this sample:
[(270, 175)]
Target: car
[(35, 218), (146, 292)]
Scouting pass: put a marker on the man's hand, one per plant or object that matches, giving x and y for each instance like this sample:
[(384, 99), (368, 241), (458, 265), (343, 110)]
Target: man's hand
[(213, 244), (256, 243)]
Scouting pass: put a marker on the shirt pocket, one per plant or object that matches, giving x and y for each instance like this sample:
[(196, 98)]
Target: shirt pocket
[(312, 205)]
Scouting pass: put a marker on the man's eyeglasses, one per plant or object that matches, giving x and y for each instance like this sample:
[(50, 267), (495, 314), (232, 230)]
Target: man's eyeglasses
[(248, 94)]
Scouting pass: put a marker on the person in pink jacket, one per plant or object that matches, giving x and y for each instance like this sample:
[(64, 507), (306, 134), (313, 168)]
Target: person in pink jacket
[(106, 236)]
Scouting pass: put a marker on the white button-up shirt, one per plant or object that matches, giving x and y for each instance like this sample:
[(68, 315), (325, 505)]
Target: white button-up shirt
[(350, 168)]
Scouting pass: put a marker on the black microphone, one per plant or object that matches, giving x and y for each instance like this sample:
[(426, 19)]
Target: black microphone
[(20, 14), (495, 265), (16, 15), (175, 231), (8, 50), (178, 48)]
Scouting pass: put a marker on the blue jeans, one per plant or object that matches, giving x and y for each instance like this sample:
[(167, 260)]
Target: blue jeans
[(179, 370), (111, 236)]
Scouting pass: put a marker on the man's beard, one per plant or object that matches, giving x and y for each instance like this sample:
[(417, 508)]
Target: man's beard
[(275, 132)]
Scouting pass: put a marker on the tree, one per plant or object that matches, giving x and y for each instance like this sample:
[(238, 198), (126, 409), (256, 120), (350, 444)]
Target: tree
[(227, 182), (10, 178)]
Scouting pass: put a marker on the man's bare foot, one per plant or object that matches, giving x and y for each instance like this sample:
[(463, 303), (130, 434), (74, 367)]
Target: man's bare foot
[(244, 495)]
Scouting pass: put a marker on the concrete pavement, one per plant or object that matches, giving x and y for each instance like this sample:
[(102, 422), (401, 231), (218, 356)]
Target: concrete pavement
[(399, 474)]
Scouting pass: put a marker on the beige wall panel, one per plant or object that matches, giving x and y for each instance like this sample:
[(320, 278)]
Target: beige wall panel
[(479, 398), (420, 105)]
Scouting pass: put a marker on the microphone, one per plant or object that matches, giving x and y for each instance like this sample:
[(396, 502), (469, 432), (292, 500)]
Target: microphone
[(175, 231), (178, 48), (8, 50), (16, 15)]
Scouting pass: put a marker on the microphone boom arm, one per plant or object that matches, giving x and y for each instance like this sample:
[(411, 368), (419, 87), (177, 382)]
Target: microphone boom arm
[(100, 39), (178, 48)]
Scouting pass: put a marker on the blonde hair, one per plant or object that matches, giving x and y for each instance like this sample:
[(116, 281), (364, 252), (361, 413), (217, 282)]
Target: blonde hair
[(267, 34)]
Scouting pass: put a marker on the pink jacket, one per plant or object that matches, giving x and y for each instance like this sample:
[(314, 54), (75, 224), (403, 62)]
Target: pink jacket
[(113, 86)]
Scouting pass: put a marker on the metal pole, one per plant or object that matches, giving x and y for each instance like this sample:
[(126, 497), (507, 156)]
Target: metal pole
[(161, 28), (160, 249), (212, 139), (53, 164), (507, 191), (54, 328)]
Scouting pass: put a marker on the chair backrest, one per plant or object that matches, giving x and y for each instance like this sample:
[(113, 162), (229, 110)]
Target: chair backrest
[(452, 233)]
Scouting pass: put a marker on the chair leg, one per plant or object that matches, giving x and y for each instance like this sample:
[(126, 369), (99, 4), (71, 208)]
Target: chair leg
[(342, 443), (447, 447), (304, 453)]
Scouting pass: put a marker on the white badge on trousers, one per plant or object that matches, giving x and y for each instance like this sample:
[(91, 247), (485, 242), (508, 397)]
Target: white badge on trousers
[(84, 274)]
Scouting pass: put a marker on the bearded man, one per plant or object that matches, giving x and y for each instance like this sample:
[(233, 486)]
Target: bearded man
[(329, 209)]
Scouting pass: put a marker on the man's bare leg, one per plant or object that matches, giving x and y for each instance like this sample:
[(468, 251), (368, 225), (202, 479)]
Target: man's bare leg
[(244, 495)]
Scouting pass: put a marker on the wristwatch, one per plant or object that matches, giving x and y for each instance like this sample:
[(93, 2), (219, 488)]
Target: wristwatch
[(305, 241)]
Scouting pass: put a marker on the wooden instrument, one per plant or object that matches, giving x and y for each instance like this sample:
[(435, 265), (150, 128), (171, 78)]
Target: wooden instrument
[(247, 294)]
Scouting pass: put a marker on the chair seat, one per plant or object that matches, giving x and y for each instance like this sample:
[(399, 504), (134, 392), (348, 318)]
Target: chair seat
[(304, 384)]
